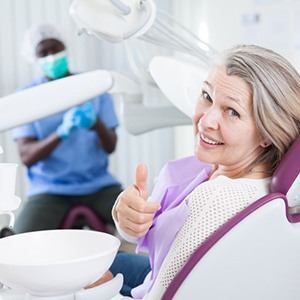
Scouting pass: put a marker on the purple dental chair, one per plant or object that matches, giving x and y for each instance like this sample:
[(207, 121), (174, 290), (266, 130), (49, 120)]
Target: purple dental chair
[(255, 255), (80, 216)]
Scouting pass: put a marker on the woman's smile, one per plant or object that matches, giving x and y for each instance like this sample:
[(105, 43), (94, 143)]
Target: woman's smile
[(208, 140), (208, 143)]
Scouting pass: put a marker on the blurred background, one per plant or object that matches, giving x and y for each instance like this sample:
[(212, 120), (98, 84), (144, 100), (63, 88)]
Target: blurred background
[(271, 23)]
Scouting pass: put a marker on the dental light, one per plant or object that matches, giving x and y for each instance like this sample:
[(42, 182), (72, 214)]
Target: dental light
[(117, 21), (145, 32), (113, 20)]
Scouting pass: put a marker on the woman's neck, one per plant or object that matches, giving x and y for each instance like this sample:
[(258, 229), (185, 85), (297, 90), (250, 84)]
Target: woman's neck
[(257, 172)]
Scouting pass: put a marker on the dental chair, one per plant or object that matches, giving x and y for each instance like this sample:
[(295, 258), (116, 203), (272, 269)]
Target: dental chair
[(80, 216), (255, 255)]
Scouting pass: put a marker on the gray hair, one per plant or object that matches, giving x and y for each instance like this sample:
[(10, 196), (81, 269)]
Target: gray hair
[(275, 87)]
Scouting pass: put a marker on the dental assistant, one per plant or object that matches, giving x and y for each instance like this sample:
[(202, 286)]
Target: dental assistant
[(66, 154)]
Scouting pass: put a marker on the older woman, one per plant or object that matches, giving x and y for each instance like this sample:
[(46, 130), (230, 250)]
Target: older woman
[(246, 118)]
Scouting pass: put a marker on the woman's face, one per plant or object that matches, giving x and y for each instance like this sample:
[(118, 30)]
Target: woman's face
[(225, 131)]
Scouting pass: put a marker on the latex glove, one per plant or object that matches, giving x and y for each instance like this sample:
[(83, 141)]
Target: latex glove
[(85, 116), (67, 125)]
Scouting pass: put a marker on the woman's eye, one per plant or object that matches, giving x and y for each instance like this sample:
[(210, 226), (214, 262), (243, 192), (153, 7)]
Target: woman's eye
[(206, 96), (233, 113)]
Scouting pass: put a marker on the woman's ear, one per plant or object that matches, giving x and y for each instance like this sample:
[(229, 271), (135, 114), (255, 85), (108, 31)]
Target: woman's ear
[(265, 143)]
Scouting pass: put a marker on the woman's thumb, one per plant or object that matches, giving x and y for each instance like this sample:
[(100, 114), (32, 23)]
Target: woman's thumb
[(141, 176)]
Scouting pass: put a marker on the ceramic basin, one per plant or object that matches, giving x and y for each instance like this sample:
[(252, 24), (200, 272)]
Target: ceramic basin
[(55, 262)]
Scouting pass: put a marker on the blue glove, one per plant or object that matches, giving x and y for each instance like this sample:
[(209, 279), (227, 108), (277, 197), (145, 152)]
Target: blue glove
[(85, 116), (67, 125)]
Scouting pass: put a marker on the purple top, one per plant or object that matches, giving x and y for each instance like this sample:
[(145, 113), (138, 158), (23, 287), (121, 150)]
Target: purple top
[(177, 180)]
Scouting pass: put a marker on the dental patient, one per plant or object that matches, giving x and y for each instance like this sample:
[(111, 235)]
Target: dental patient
[(246, 118)]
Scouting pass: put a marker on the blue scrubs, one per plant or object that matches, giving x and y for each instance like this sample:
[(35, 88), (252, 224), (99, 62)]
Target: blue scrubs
[(76, 172), (78, 165)]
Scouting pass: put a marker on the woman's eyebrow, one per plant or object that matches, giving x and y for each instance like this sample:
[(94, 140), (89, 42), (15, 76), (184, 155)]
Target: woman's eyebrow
[(207, 83), (238, 102)]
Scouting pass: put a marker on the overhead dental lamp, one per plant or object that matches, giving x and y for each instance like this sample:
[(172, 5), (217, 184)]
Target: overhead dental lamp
[(147, 32), (114, 20), (123, 20)]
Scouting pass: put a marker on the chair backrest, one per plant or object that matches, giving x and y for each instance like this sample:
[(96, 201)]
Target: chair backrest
[(286, 179), (255, 255)]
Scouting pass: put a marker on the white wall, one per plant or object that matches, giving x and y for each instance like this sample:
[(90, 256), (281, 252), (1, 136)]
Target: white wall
[(223, 23), (271, 23)]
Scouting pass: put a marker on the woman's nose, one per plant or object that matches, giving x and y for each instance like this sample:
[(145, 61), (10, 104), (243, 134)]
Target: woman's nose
[(210, 119)]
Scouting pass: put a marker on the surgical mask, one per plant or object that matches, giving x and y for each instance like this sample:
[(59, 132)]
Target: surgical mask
[(54, 66)]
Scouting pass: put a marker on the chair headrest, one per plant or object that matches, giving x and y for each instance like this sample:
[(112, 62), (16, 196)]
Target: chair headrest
[(286, 179), (180, 80)]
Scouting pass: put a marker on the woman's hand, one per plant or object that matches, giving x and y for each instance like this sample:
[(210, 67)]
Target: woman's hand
[(134, 213), (106, 277)]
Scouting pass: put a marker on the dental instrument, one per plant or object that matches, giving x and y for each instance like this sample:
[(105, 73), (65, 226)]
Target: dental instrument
[(80, 88)]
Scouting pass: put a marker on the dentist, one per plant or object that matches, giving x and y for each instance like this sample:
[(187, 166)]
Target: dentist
[(66, 154)]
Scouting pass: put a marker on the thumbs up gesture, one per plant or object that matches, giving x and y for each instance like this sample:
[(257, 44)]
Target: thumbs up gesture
[(134, 213)]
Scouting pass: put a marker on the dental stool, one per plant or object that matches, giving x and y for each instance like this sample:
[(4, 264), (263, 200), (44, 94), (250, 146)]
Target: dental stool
[(80, 213), (256, 254)]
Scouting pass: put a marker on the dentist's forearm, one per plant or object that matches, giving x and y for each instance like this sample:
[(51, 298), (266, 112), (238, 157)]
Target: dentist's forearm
[(32, 150), (107, 137)]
